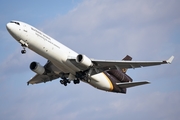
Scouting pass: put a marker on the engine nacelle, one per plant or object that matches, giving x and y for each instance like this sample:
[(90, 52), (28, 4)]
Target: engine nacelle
[(37, 68), (84, 60)]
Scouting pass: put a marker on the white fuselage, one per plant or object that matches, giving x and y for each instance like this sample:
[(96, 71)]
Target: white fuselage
[(54, 51)]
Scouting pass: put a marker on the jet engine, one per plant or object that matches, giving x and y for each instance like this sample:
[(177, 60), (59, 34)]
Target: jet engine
[(84, 61), (37, 68)]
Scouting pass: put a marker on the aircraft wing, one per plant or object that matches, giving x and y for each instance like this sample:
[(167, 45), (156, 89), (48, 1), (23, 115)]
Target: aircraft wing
[(51, 75), (104, 64)]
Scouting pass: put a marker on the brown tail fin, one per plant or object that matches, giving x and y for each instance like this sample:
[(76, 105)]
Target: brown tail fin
[(127, 58)]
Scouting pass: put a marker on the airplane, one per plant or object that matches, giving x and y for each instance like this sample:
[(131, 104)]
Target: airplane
[(67, 65)]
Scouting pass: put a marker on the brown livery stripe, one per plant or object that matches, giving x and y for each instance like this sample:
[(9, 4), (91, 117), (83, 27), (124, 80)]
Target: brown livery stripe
[(110, 83)]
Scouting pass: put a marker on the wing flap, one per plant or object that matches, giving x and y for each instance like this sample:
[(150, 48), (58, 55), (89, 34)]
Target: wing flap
[(131, 84), (42, 78)]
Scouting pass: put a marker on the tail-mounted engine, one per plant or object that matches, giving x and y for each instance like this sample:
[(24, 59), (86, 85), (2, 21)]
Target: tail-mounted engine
[(37, 68), (84, 61)]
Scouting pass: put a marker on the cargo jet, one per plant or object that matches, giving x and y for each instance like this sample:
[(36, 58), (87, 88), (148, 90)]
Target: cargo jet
[(67, 65)]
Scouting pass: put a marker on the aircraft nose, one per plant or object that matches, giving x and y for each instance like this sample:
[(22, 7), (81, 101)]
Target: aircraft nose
[(13, 29), (9, 27)]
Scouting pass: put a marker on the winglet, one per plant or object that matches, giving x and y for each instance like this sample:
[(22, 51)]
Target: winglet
[(169, 61)]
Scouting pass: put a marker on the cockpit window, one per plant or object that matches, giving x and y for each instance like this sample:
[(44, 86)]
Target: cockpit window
[(15, 22)]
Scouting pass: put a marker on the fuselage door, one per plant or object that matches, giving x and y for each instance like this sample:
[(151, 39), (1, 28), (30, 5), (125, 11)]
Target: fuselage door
[(25, 28), (25, 32)]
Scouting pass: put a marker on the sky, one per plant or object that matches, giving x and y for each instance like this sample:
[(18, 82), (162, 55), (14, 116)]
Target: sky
[(100, 29)]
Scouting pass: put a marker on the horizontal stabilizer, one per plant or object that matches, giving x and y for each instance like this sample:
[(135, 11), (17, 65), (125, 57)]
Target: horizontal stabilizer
[(131, 84)]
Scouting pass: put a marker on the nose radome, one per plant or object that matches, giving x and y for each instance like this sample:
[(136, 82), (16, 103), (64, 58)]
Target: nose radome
[(9, 27), (13, 30)]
